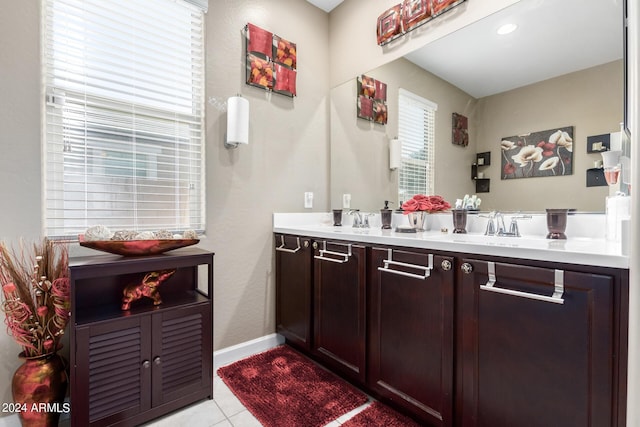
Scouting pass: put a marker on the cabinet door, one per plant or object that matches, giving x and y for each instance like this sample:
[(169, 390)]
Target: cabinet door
[(182, 353), (113, 372), (293, 289), (339, 306), (411, 331), (540, 353)]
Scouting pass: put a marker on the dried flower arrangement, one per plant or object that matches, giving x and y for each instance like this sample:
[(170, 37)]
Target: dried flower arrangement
[(35, 291)]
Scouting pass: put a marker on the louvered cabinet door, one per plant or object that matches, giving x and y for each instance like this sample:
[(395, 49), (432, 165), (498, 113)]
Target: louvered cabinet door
[(113, 371), (182, 355)]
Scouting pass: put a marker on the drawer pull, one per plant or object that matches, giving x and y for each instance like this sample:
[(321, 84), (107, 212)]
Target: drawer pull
[(324, 251), (281, 248), (426, 270), (556, 298)]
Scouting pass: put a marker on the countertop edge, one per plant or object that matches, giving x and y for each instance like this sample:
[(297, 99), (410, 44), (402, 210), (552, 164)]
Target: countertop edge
[(508, 247)]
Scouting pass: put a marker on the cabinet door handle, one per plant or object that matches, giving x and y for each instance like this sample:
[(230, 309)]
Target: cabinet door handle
[(281, 248), (157, 360), (146, 364), (556, 298), (324, 251), (426, 269)]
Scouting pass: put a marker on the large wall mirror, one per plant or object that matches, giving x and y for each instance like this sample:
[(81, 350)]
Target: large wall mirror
[(563, 66)]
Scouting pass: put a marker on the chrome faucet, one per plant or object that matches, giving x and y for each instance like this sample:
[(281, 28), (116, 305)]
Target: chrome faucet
[(491, 224), (357, 218), (360, 220), (496, 227)]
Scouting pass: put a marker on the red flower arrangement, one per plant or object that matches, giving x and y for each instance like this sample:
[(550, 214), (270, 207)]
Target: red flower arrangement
[(430, 204), (35, 296)]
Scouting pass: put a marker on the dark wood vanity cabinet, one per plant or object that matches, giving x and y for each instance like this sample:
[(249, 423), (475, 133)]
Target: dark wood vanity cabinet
[(294, 267), (461, 340), (540, 346), (128, 367), (411, 335), (339, 307)]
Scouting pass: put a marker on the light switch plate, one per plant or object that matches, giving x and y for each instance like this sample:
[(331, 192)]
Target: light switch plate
[(308, 199), (346, 201)]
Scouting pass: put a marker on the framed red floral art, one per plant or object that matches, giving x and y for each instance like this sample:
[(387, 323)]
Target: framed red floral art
[(271, 61), (372, 99), (460, 130), (259, 72), (284, 52)]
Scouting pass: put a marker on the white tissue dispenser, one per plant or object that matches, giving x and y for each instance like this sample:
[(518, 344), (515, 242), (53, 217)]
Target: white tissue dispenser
[(618, 210)]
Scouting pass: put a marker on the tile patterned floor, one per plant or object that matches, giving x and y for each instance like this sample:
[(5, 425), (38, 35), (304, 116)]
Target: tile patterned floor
[(225, 410)]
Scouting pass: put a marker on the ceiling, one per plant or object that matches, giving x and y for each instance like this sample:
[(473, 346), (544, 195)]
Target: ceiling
[(553, 38), (326, 5)]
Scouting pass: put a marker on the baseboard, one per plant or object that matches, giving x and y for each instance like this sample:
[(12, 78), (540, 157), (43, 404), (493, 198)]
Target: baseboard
[(236, 352)]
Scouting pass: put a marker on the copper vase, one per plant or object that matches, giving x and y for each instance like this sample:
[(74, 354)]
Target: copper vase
[(39, 386)]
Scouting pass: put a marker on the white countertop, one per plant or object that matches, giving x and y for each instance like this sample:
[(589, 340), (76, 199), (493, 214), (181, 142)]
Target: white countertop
[(596, 251)]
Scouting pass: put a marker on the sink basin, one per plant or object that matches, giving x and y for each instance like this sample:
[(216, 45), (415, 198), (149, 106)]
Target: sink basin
[(497, 240)]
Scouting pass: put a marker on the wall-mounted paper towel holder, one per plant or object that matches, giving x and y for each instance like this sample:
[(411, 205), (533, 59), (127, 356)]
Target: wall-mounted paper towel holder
[(395, 153), (237, 122)]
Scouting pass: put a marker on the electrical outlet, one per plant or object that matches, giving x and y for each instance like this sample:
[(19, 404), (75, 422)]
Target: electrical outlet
[(308, 199), (346, 201)]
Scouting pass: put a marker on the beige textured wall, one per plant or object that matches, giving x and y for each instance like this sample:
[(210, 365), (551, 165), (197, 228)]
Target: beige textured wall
[(287, 154), (360, 149), (590, 100)]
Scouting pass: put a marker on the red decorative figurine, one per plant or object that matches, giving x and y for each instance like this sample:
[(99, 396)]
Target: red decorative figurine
[(148, 287)]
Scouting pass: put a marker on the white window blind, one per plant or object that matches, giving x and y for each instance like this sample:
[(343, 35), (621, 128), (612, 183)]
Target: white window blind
[(416, 132), (124, 98)]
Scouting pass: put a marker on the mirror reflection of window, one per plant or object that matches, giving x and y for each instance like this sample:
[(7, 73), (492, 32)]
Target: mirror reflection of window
[(416, 132)]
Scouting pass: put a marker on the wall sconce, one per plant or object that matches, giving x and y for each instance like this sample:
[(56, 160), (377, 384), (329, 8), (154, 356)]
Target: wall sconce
[(237, 122), (395, 153)]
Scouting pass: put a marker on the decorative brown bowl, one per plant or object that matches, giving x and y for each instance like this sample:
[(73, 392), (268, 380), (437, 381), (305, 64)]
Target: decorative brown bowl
[(136, 247)]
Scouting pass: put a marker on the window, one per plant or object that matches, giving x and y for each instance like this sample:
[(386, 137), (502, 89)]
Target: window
[(124, 112), (416, 132)]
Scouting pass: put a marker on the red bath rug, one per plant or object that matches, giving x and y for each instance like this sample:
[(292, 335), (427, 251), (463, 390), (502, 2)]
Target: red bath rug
[(282, 388)]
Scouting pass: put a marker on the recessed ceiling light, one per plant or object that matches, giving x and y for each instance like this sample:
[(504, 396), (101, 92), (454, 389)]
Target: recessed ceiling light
[(506, 29)]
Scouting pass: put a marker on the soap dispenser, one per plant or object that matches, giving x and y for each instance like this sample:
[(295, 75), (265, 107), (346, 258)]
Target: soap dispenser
[(385, 215)]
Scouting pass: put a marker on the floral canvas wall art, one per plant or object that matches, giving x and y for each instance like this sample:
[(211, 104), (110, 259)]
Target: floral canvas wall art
[(372, 99), (460, 132), (538, 154)]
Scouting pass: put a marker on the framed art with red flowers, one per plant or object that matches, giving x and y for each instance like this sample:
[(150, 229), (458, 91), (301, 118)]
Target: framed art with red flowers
[(372, 99), (460, 131), (537, 154), (271, 61)]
